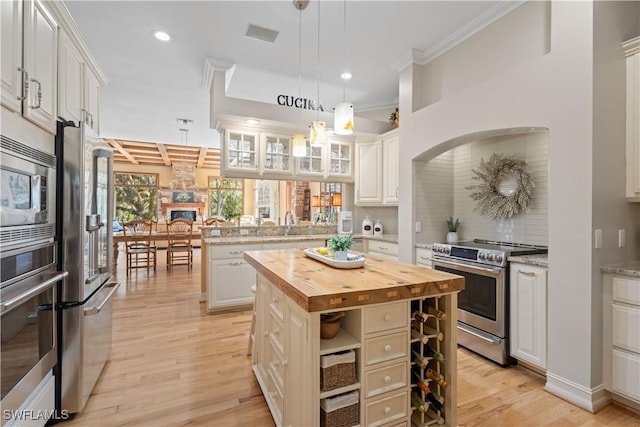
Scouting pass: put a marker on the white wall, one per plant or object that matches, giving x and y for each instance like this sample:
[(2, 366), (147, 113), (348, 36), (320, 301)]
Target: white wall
[(441, 192), (550, 88)]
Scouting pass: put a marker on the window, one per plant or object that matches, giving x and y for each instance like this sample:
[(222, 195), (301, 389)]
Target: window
[(225, 197), (136, 196)]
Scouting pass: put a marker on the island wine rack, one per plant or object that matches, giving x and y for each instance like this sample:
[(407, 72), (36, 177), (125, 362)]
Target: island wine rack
[(432, 403)]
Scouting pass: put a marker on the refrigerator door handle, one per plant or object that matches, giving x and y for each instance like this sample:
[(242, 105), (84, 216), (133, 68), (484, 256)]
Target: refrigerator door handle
[(95, 309)]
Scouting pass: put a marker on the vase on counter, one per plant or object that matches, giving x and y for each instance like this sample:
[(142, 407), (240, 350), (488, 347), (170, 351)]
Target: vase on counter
[(452, 236), (341, 255)]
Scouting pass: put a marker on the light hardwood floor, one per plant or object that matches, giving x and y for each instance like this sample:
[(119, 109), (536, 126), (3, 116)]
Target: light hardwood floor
[(174, 365)]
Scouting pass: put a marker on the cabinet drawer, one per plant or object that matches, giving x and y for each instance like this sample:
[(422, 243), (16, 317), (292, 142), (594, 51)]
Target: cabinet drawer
[(277, 399), (423, 257), (386, 347), (276, 364), (382, 380), (231, 251), (626, 374), (385, 317), (276, 301), (626, 290), (625, 327), (275, 331), (387, 410), (383, 247)]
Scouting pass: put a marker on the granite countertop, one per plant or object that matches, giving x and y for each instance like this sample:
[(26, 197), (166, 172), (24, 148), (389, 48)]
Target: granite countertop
[(389, 238), (541, 260), (235, 240), (631, 268)]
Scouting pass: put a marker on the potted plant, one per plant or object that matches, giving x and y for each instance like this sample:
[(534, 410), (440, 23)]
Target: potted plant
[(341, 244), (452, 226)]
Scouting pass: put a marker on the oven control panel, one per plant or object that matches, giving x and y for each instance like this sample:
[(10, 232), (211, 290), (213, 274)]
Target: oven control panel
[(481, 256)]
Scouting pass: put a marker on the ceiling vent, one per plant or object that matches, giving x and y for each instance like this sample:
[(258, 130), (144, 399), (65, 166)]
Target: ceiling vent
[(260, 33)]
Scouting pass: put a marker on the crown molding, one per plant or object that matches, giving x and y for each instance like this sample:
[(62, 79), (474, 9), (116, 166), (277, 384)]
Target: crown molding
[(211, 65), (422, 57)]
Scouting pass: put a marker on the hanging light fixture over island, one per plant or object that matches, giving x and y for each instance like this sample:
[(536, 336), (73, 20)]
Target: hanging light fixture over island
[(343, 113)]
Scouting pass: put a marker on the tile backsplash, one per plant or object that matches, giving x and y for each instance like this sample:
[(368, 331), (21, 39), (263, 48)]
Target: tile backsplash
[(441, 192)]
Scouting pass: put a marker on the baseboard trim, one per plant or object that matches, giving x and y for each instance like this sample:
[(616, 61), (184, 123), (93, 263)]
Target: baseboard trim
[(589, 399), (203, 297)]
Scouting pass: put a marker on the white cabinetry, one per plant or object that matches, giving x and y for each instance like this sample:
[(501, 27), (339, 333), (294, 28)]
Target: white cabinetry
[(391, 163), (423, 257), (382, 250), (241, 151), (29, 69), (621, 340), (528, 315), (230, 277), (70, 80), (377, 171), (275, 155), (368, 179), (632, 51)]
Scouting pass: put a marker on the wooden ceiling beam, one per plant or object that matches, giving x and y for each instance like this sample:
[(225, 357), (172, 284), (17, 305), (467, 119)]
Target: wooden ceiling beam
[(115, 144), (201, 157), (163, 152)]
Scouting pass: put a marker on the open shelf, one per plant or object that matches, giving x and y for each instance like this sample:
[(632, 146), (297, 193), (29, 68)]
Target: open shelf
[(341, 342)]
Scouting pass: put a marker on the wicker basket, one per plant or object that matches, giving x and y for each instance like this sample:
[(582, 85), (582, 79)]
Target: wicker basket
[(337, 370), (340, 411)]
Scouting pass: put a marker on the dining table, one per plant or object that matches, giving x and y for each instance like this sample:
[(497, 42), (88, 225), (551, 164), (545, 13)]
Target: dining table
[(154, 237)]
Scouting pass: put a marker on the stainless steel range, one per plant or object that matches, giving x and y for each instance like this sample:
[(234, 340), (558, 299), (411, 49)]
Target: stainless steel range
[(483, 311)]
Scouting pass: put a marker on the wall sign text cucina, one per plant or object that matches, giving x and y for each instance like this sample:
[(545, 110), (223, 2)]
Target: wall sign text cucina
[(304, 103)]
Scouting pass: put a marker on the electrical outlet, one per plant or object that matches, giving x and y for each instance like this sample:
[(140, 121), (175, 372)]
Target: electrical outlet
[(598, 239), (622, 238), (215, 232), (418, 227), (244, 232)]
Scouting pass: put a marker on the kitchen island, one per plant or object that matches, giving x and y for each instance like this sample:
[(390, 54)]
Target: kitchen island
[(400, 363)]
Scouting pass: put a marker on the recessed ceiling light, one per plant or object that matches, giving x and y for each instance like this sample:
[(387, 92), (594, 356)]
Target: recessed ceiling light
[(161, 35), (252, 121), (346, 75)]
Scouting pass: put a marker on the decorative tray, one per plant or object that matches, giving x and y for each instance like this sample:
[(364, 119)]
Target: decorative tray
[(353, 261)]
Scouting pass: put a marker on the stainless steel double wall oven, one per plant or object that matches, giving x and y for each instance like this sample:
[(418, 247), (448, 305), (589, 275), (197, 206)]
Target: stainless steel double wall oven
[(28, 274)]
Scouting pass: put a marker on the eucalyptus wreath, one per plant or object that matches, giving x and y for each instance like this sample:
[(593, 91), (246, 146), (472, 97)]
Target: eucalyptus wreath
[(490, 202)]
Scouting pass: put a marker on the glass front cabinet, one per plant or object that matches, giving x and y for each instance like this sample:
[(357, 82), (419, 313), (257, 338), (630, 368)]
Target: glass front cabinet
[(240, 152), (269, 155)]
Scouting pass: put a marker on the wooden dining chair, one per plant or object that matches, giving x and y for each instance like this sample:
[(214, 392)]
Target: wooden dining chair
[(179, 249), (140, 249), (211, 221)]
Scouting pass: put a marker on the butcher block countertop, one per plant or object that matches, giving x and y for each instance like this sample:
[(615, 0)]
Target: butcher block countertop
[(316, 286)]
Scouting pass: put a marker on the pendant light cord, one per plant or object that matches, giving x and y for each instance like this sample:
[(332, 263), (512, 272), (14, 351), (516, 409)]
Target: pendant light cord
[(318, 89), (299, 60), (344, 45)]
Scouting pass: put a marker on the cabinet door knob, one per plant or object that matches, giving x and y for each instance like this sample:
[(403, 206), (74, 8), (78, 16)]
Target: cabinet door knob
[(387, 410), (25, 83), (387, 317), (285, 363), (387, 348), (387, 379)]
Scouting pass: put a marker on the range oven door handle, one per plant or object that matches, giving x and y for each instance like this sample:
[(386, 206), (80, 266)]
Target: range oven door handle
[(477, 335), (96, 309), (8, 304), (468, 268)]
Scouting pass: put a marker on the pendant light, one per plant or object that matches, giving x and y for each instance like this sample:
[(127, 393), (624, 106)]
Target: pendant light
[(318, 129), (299, 141), (343, 113)]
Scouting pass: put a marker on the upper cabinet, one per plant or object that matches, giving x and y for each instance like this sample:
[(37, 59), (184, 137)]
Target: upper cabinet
[(241, 151), (632, 51), (29, 62), (268, 154), (377, 171)]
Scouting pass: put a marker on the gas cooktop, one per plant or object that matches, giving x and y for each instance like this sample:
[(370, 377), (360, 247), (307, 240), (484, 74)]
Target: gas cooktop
[(485, 251)]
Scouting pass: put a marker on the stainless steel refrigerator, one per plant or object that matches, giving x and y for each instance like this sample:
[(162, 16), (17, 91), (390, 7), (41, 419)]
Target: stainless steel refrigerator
[(85, 206)]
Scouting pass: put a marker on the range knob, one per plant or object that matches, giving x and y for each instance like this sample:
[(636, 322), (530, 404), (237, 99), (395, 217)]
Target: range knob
[(499, 258), (447, 249), (482, 255), (490, 257)]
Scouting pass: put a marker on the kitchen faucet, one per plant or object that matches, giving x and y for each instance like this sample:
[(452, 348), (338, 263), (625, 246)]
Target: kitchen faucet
[(288, 224)]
